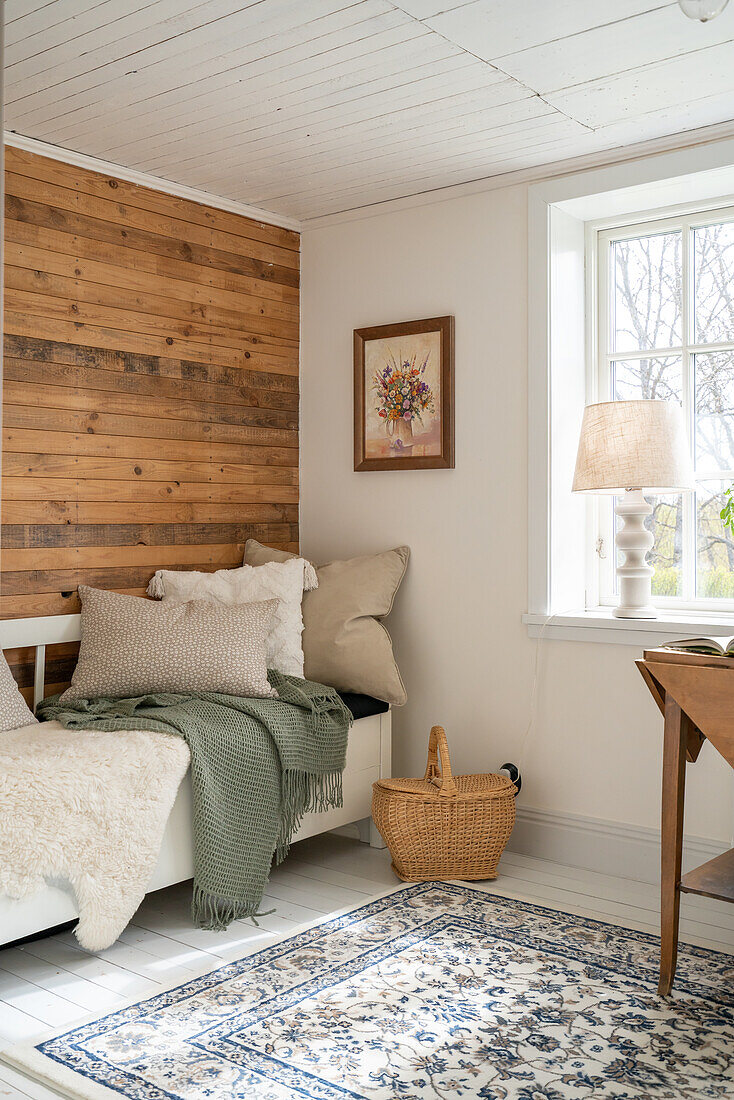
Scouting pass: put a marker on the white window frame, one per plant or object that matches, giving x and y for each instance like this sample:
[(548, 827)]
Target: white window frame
[(564, 213), (600, 240)]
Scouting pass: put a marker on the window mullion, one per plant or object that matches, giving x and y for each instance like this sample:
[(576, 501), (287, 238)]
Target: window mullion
[(688, 570), (604, 548), (666, 353)]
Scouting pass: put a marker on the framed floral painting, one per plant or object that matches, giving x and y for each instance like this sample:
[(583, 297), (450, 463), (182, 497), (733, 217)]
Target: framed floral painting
[(404, 396)]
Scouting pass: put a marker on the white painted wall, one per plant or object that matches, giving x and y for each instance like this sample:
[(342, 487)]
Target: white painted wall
[(595, 746)]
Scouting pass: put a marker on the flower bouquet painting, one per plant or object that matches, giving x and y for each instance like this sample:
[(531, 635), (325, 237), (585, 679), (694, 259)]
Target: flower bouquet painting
[(403, 398)]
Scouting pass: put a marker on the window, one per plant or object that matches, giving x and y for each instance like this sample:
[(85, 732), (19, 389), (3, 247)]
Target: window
[(666, 331)]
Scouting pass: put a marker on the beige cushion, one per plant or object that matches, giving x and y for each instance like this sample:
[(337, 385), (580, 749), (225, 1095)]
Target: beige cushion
[(131, 646), (344, 644), (281, 581), (14, 711)]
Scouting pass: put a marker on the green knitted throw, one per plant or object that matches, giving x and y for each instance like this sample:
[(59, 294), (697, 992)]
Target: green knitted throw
[(257, 765)]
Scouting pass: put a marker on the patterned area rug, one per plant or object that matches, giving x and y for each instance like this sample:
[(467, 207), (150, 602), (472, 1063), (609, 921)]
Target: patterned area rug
[(436, 990)]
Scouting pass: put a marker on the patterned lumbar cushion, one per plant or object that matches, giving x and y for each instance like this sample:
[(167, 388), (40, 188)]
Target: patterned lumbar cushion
[(14, 712), (284, 581), (131, 646), (344, 642)]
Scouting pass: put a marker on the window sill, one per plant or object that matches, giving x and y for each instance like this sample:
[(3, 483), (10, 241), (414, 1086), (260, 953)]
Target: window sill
[(600, 626)]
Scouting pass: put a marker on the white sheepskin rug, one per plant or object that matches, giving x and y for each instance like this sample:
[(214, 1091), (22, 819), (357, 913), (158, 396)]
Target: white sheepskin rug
[(88, 808)]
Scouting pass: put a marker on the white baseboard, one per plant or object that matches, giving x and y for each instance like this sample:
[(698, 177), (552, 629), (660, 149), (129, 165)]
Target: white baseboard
[(609, 847)]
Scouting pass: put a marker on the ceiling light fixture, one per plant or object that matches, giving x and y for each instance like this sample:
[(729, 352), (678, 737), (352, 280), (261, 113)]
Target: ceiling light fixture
[(702, 9)]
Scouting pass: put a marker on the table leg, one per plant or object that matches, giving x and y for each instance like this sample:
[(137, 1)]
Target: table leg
[(674, 777)]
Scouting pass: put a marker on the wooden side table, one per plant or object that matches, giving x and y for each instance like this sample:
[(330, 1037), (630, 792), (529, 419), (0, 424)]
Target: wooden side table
[(695, 693)]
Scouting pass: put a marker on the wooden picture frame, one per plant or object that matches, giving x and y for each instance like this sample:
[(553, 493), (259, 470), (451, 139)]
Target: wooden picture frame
[(407, 365)]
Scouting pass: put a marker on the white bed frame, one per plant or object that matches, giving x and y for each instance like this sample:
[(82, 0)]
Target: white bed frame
[(368, 759)]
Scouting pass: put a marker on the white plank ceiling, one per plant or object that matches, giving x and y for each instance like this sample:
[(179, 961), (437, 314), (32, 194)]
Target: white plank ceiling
[(306, 107)]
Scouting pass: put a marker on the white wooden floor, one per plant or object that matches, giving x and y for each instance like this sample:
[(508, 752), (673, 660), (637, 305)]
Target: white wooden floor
[(53, 982)]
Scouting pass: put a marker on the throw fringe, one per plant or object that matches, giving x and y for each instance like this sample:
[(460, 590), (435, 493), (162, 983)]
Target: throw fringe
[(156, 588), (216, 913), (264, 913), (302, 793)]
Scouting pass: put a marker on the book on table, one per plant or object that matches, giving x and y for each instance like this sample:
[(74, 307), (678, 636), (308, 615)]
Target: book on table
[(709, 647)]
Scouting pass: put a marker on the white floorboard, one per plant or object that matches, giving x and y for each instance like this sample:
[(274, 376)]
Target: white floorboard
[(53, 982)]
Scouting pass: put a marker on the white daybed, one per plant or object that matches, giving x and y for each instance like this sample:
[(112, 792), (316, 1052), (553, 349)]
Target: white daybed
[(368, 759)]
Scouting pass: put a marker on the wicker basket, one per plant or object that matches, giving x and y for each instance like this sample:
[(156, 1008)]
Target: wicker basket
[(444, 826)]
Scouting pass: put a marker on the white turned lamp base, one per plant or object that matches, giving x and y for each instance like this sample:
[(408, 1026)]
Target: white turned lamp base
[(633, 443), (634, 574)]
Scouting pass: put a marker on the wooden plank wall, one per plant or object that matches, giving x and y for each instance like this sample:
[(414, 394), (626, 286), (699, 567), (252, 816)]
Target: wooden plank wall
[(150, 412)]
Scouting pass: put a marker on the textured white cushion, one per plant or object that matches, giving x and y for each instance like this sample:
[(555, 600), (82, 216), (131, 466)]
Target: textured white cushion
[(282, 581), (14, 711), (132, 646)]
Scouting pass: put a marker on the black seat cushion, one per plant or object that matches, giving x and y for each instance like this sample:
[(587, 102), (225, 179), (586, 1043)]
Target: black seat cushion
[(362, 706)]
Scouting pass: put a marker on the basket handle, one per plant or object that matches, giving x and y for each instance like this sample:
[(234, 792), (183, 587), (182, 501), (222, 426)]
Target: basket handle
[(438, 767)]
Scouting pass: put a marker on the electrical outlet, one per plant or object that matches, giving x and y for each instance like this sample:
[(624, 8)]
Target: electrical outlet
[(514, 773)]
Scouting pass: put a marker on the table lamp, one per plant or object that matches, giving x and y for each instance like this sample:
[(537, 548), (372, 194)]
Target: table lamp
[(627, 449)]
